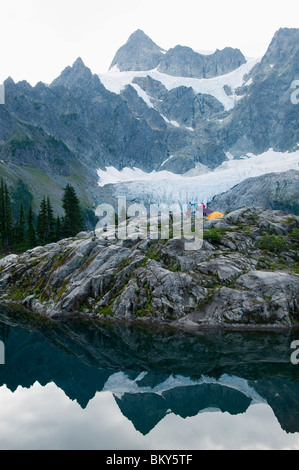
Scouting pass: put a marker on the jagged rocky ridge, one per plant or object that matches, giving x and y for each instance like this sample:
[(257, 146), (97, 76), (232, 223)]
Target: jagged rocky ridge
[(65, 131), (141, 53), (229, 282), (265, 117)]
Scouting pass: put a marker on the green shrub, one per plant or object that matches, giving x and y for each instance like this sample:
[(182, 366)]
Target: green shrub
[(153, 254), (212, 235), (272, 243), (295, 233), (106, 311), (290, 219)]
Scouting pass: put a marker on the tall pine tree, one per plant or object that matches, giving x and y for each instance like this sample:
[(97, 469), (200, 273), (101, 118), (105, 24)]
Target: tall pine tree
[(20, 227), (45, 222), (31, 233), (58, 228), (21, 193), (50, 222), (42, 224), (6, 220), (73, 221)]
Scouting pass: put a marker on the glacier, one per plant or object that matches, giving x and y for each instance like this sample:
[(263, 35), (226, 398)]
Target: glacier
[(200, 184)]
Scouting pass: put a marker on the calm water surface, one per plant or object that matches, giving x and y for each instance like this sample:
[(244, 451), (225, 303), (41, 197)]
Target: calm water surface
[(82, 385)]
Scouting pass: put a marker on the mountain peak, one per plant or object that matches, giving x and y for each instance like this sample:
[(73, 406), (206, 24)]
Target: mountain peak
[(139, 53), (139, 34), (79, 63), (77, 74), (9, 81), (183, 61), (283, 45)]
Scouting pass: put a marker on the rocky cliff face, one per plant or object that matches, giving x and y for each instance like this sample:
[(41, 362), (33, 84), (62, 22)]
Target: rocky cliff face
[(184, 62), (139, 53), (232, 280), (265, 117), (69, 129), (279, 191), (95, 124)]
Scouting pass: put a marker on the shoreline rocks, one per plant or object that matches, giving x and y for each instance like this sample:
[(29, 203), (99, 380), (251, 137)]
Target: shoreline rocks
[(230, 282)]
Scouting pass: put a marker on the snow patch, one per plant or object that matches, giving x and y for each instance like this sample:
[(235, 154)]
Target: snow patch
[(165, 118), (142, 94), (229, 155), (204, 52), (116, 81), (114, 69), (176, 124), (119, 384), (167, 160)]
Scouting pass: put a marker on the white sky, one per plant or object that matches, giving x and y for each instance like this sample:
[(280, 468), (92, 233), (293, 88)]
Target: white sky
[(39, 38)]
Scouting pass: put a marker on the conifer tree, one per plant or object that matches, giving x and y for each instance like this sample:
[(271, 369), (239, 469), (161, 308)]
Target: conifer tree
[(30, 234), (9, 219), (58, 228), (46, 222), (73, 221), (6, 220), (50, 222), (20, 227), (42, 224), (21, 193)]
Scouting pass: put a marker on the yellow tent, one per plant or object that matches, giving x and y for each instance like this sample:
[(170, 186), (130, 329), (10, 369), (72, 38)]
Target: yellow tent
[(215, 215)]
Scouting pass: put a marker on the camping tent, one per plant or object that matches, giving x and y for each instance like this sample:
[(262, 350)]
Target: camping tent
[(215, 215)]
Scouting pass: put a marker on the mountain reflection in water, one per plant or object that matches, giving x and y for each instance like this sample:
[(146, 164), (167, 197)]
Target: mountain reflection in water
[(153, 371)]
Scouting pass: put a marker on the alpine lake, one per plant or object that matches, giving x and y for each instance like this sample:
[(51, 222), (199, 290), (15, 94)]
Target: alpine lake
[(81, 384)]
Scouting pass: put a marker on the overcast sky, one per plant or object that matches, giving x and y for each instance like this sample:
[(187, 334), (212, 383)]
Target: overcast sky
[(39, 38)]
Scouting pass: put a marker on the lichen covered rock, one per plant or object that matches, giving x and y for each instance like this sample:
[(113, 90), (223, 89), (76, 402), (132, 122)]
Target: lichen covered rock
[(230, 281)]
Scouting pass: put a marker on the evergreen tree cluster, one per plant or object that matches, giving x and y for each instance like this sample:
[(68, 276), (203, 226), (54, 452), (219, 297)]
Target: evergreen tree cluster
[(27, 230)]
